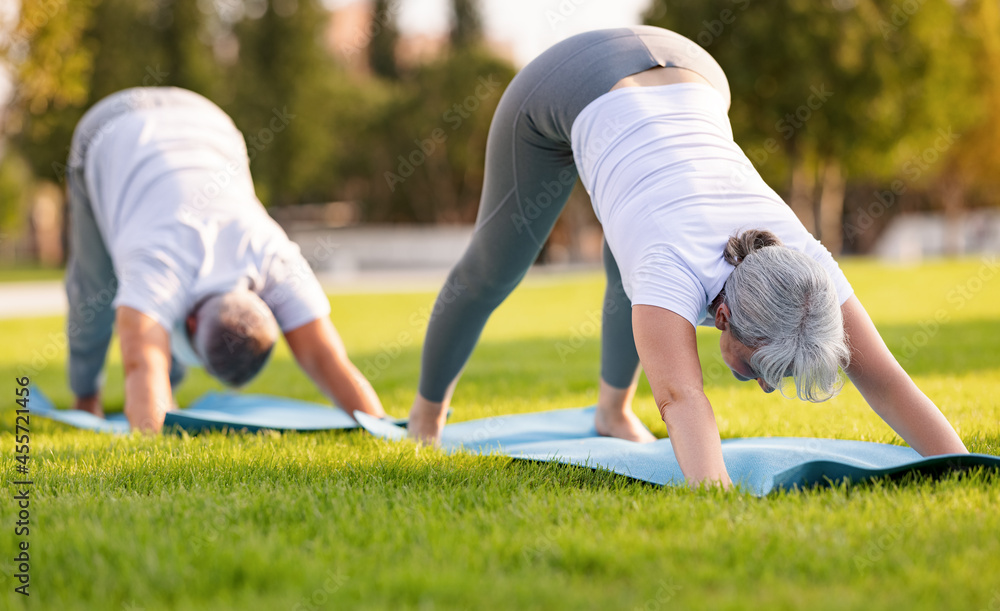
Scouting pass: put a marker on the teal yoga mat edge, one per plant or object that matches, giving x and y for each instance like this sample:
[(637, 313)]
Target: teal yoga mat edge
[(821, 473), (192, 420), (808, 474)]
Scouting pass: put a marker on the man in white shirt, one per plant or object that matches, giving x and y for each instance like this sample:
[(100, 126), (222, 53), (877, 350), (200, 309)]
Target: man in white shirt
[(170, 244)]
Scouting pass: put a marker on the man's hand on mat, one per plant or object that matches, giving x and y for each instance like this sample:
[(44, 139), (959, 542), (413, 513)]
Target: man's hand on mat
[(427, 420), (145, 346), (91, 405)]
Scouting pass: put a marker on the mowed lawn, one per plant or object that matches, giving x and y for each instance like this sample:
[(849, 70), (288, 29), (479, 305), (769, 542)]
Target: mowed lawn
[(341, 520)]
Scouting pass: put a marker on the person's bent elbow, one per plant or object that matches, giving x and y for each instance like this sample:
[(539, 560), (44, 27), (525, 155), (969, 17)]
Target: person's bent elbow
[(675, 399)]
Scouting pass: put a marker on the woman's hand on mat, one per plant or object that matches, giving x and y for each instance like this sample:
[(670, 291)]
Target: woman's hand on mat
[(427, 419), (91, 405), (891, 392), (668, 350)]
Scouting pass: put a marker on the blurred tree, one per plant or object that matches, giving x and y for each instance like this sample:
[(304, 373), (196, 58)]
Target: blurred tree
[(382, 46), (314, 132), (48, 58), (433, 139), (827, 91), (112, 45), (15, 181), (466, 23), (51, 62), (282, 87), (975, 165)]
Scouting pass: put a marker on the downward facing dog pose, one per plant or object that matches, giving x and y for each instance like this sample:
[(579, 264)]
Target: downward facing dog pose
[(693, 236), (169, 243)]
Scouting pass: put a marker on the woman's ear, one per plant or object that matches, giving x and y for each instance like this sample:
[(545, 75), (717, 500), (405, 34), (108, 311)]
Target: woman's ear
[(722, 317), (191, 323)]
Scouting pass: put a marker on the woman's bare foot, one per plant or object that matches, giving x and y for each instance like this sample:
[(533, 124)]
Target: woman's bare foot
[(427, 420), (615, 417), (91, 405), (623, 425)]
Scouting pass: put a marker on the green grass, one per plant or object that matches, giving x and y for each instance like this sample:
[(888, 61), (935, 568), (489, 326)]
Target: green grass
[(341, 520), (30, 274)]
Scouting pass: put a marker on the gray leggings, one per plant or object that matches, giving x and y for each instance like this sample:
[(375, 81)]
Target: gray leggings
[(529, 175)]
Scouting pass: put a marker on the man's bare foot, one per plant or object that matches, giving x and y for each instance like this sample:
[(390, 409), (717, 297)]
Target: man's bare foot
[(623, 425), (427, 420)]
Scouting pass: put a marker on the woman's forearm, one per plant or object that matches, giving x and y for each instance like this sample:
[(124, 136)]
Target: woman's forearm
[(910, 413), (694, 436), (891, 392)]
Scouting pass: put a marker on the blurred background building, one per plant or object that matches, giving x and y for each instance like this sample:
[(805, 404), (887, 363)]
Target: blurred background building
[(876, 121)]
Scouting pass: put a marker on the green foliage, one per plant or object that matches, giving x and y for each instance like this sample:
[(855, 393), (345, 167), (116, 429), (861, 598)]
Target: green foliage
[(314, 132), (466, 23), (382, 48), (15, 181), (430, 157), (892, 76), (976, 160), (282, 93), (341, 520)]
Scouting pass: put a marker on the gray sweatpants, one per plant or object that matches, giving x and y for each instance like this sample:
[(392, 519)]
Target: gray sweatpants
[(91, 282), (528, 178)]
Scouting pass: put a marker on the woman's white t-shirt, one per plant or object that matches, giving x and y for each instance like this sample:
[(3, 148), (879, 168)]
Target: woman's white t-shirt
[(670, 186)]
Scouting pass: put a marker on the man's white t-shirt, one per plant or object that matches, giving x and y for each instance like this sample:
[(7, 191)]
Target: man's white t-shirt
[(172, 195), (670, 186)]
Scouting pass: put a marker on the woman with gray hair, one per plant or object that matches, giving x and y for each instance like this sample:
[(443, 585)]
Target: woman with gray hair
[(693, 236)]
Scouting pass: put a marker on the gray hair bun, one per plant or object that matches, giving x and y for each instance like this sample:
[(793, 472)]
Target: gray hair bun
[(739, 247)]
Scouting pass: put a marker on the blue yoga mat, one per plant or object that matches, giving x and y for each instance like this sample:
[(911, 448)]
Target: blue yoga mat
[(761, 465), (214, 412)]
